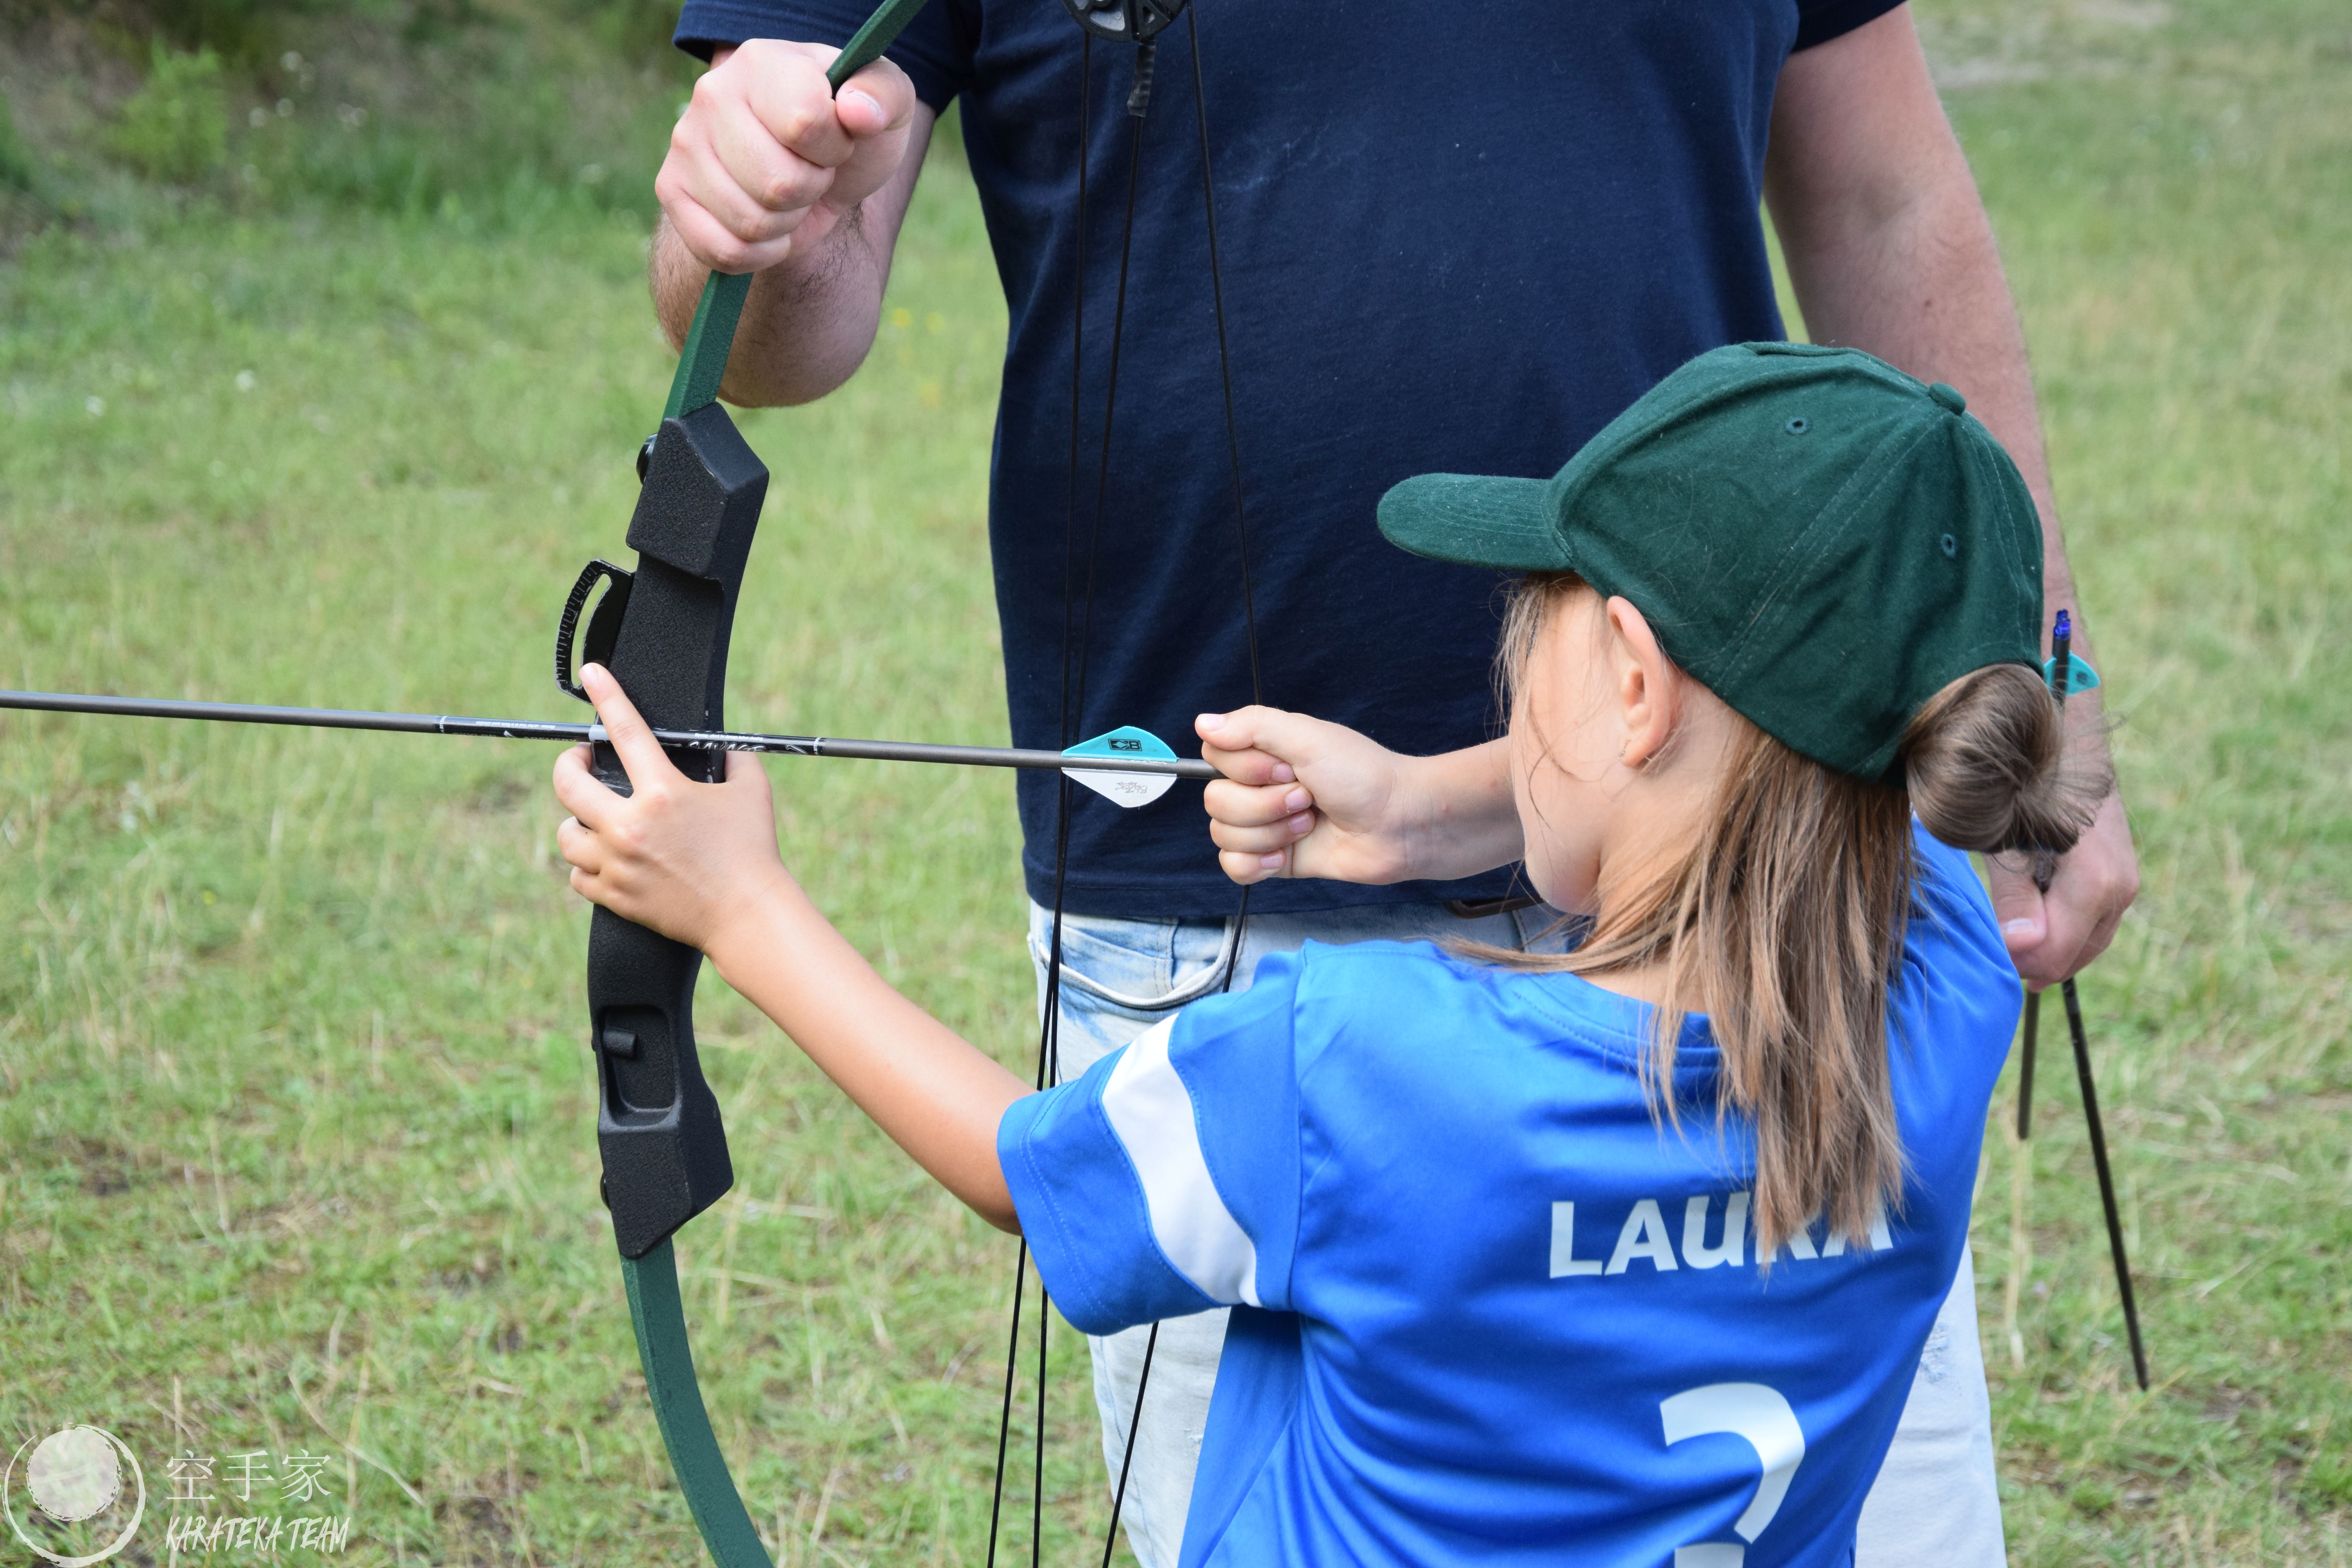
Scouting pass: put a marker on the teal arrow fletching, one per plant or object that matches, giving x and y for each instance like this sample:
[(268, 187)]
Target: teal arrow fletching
[(2080, 677), (1124, 789)]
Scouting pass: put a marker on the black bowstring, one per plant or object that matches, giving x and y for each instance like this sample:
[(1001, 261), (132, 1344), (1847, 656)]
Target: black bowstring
[(1249, 627), (1233, 445), (1224, 365), (1076, 643), (1078, 343), (1118, 1497), (1074, 646), (1085, 641), (1135, 106)]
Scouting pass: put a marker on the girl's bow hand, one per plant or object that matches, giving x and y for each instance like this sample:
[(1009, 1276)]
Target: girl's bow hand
[(690, 860)]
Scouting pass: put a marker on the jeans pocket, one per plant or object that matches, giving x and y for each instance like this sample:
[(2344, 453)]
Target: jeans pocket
[(1135, 967)]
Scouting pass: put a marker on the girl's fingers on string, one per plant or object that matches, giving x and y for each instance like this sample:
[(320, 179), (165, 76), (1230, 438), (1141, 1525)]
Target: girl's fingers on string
[(1232, 743), (1246, 805), (1261, 840), (1246, 869)]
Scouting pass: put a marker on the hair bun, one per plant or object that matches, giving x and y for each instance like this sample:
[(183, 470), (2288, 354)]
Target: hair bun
[(1987, 767)]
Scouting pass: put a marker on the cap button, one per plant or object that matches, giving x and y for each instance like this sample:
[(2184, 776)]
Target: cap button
[(1949, 396)]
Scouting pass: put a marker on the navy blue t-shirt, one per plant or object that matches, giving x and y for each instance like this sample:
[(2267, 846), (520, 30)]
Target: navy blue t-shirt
[(1486, 1309), (1453, 237)]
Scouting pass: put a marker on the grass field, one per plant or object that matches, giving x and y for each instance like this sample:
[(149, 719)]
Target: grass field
[(295, 1119)]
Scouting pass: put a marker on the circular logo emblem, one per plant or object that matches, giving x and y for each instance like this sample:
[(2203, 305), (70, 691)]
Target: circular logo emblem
[(65, 1498)]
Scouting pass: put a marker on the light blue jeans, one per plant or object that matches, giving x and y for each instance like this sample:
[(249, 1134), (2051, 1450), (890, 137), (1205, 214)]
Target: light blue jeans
[(1935, 1500)]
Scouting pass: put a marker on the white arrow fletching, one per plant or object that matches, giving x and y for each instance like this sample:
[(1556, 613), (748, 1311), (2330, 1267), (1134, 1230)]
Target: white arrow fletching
[(1124, 789)]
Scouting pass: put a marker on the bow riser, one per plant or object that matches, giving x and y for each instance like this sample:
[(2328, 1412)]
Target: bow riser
[(658, 1124)]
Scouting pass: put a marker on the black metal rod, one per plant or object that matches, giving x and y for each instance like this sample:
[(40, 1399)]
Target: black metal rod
[(2062, 662), (2025, 1067), (2106, 1183), (539, 730)]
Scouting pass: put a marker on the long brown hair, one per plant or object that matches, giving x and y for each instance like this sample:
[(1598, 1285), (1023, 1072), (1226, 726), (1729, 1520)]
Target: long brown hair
[(1787, 917)]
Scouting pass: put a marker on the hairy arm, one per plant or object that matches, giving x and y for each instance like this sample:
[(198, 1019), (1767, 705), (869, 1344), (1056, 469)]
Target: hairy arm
[(1890, 251), (769, 172)]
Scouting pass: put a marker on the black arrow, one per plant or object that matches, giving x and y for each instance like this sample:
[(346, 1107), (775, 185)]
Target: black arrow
[(539, 730)]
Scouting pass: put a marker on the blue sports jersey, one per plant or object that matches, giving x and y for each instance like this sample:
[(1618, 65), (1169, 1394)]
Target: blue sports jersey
[(1486, 1308)]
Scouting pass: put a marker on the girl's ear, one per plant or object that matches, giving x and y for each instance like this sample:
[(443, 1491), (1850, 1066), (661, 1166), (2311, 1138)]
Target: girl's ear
[(1648, 687)]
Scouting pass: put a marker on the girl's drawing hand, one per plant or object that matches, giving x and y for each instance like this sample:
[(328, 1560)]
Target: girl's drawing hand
[(1303, 797)]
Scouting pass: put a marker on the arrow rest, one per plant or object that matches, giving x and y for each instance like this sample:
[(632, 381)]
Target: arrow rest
[(603, 626), (1124, 21)]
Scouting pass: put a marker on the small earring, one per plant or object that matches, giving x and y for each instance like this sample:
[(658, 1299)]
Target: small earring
[(1621, 747)]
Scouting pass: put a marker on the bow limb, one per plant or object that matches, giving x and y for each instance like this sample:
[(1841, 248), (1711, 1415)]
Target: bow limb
[(658, 1317)]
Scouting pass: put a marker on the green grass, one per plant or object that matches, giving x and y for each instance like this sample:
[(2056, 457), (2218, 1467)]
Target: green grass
[(290, 1022), (295, 1146), (2175, 201)]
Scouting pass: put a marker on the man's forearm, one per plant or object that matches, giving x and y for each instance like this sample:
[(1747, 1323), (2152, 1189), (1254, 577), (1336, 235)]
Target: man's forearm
[(1891, 252), (811, 318)]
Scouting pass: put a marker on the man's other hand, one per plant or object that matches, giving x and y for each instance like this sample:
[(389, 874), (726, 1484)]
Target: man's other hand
[(767, 158), (2051, 936)]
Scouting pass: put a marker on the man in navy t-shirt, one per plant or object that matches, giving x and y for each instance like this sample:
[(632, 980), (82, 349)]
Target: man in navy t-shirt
[(1452, 238)]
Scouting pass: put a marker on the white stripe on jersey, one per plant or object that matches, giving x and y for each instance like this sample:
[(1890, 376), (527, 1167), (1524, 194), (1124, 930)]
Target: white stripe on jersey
[(1151, 1112)]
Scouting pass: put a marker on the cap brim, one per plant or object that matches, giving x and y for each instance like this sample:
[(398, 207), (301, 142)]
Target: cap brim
[(1511, 525)]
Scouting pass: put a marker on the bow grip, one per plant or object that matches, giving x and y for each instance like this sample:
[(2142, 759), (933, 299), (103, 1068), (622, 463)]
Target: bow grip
[(657, 1124)]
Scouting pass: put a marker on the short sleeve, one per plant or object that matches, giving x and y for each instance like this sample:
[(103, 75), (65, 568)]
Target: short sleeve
[(935, 52), (1818, 21), (1165, 1182)]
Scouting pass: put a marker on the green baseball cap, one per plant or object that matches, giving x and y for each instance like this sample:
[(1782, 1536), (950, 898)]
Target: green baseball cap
[(1817, 537)]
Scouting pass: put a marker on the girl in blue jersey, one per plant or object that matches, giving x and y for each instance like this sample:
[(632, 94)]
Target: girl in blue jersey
[(1624, 1256)]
